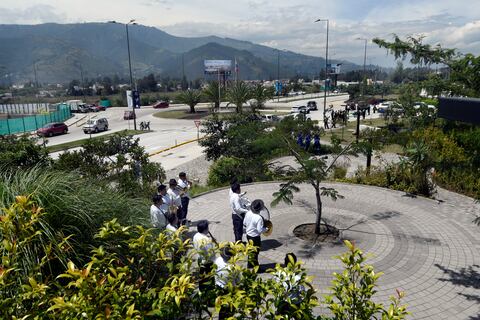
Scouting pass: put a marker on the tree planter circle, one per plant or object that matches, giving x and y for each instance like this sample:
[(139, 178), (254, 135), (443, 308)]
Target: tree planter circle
[(306, 232)]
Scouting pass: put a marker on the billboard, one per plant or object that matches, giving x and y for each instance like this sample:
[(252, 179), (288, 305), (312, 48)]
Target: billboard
[(218, 66), (333, 68)]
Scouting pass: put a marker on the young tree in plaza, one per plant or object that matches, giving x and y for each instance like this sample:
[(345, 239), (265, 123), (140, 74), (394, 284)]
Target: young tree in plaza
[(310, 169)]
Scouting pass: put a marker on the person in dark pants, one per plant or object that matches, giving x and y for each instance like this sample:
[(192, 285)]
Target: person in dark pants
[(253, 224), (184, 185), (308, 139), (238, 211), (316, 143)]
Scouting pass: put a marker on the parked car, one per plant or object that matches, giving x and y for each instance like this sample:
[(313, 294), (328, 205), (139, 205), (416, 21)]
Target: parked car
[(270, 118), (384, 106), (96, 125), (419, 105), (83, 108), (312, 105), (128, 115), (299, 109), (52, 129), (161, 105), (96, 108)]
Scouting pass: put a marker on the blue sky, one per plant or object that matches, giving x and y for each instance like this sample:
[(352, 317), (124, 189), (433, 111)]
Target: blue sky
[(284, 24)]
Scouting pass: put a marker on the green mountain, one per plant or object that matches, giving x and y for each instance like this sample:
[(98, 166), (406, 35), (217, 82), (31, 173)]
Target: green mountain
[(60, 52)]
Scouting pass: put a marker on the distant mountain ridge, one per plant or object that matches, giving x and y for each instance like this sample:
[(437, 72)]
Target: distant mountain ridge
[(61, 51)]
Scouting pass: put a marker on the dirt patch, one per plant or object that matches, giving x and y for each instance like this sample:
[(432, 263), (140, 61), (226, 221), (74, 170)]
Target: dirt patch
[(306, 232)]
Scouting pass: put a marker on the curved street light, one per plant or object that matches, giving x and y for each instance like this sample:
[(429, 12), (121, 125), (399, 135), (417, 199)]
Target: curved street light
[(131, 22), (326, 68)]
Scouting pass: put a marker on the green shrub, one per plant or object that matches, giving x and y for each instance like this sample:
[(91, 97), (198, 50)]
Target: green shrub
[(354, 288), (138, 273), (74, 205), (339, 172)]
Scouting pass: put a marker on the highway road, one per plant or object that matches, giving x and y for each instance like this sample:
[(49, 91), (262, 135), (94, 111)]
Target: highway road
[(170, 132)]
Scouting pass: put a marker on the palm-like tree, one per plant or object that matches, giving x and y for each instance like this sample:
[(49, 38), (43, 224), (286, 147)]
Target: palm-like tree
[(211, 93), (190, 98), (261, 94), (239, 94)]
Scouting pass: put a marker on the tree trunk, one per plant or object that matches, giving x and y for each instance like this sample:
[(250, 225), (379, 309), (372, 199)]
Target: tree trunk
[(192, 109), (319, 211)]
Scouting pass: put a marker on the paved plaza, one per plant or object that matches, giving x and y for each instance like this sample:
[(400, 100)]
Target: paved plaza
[(428, 248)]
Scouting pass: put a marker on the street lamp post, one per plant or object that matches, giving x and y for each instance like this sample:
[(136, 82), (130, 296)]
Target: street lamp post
[(326, 68), (131, 22), (278, 75), (362, 92)]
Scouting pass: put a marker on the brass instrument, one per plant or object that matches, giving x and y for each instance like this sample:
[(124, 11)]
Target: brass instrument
[(213, 238), (267, 223)]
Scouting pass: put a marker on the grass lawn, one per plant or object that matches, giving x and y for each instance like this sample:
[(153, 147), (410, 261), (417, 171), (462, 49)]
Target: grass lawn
[(79, 143), (182, 114), (348, 133)]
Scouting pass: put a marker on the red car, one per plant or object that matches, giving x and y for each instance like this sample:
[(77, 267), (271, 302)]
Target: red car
[(52, 129), (161, 105), (96, 107)]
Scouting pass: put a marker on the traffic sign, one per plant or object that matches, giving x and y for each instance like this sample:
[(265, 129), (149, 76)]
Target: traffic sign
[(197, 123)]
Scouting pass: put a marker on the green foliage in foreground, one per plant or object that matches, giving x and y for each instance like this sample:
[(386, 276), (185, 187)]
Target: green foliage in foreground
[(139, 274), (74, 206)]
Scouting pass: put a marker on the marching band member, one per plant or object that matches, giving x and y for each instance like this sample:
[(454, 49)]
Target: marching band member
[(253, 224), (238, 211), (162, 191), (204, 245), (157, 214), (184, 185), (174, 199)]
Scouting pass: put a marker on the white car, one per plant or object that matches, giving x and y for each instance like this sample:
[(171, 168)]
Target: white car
[(384, 106), (418, 105)]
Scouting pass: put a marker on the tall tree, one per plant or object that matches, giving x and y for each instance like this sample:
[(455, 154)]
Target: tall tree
[(239, 94), (191, 98), (211, 92), (261, 94)]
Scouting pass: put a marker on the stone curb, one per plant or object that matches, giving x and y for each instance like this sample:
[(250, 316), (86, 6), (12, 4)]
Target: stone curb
[(173, 147)]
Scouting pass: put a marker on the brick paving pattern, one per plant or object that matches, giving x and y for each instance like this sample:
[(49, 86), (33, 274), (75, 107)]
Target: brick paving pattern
[(428, 248)]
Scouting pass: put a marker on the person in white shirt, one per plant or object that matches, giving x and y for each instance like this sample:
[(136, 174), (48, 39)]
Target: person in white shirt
[(162, 191), (224, 275), (253, 224), (174, 200), (157, 215), (172, 223), (184, 185), (203, 245), (238, 211)]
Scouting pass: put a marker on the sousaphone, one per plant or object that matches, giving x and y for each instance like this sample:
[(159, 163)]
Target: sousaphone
[(267, 223)]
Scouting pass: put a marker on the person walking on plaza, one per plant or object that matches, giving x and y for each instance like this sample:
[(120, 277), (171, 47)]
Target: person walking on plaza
[(223, 276), (158, 216), (238, 211), (172, 223), (253, 224), (184, 185), (300, 139)]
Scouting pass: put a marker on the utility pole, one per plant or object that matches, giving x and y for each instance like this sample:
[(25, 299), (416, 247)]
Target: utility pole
[(278, 75), (326, 69)]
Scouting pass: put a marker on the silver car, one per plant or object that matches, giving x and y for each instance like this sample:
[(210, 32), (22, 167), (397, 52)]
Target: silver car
[(96, 125)]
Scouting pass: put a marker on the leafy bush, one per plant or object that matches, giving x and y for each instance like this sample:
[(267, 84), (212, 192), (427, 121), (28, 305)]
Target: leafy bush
[(354, 288), (138, 273), (224, 169), (120, 160), (21, 151), (339, 172), (75, 206)]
